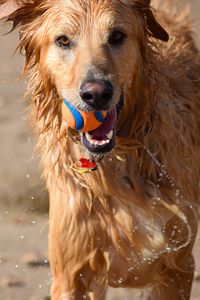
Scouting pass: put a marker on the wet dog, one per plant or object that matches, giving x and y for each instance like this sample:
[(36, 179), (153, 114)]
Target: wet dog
[(130, 222)]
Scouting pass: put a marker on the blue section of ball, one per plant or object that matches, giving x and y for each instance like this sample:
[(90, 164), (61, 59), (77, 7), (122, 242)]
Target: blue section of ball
[(99, 116), (76, 114)]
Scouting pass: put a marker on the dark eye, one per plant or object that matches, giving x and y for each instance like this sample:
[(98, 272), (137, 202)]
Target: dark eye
[(116, 38), (63, 42)]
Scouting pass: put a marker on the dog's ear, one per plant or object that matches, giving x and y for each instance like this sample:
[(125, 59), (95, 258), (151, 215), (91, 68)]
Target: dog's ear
[(154, 28), (7, 7)]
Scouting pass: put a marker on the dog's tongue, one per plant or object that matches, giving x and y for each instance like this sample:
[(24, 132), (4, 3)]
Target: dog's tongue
[(106, 126)]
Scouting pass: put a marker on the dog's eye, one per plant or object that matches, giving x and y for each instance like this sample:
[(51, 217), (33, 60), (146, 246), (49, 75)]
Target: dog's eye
[(116, 38), (63, 42)]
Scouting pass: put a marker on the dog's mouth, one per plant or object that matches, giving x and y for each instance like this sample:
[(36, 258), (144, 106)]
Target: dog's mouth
[(102, 139)]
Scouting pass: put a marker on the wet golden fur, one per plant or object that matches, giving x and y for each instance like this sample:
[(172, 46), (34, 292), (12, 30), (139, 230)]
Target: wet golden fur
[(131, 223)]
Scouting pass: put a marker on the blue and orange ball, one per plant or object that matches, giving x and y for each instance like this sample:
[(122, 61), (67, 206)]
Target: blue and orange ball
[(81, 120)]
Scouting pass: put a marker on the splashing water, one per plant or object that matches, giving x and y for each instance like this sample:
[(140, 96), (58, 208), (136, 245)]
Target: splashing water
[(173, 208)]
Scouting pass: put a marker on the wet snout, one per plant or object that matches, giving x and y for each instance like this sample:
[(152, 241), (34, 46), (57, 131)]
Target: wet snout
[(97, 93)]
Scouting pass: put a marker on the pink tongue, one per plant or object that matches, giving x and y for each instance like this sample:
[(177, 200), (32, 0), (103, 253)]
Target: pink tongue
[(106, 126)]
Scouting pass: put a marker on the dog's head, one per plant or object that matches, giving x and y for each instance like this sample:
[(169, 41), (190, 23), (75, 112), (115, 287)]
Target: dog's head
[(89, 51)]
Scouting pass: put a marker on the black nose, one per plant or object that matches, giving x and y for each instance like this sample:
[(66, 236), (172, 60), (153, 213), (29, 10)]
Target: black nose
[(97, 93)]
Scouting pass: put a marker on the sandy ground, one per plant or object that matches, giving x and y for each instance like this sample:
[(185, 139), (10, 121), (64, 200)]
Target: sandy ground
[(24, 270)]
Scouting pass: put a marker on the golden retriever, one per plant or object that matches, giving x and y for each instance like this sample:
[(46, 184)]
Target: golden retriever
[(132, 221)]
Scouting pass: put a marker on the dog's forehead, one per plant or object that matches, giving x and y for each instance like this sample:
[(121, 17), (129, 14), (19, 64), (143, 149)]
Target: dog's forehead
[(106, 6), (104, 12)]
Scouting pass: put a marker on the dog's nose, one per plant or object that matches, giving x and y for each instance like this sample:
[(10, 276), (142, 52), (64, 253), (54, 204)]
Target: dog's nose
[(97, 93)]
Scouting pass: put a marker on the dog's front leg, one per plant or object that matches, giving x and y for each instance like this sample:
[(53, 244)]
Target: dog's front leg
[(176, 283), (64, 287), (63, 259), (60, 289), (98, 296), (77, 266)]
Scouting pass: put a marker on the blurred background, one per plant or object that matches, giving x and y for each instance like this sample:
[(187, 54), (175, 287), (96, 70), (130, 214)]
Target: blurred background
[(24, 268)]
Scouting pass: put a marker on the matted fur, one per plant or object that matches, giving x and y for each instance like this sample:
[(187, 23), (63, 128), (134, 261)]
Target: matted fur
[(133, 221)]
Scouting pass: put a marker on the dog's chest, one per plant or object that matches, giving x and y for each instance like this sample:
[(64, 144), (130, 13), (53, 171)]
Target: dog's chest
[(136, 248)]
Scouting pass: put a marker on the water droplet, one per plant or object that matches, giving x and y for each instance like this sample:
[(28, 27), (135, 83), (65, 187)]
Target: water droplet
[(120, 281), (168, 249), (114, 211), (173, 233)]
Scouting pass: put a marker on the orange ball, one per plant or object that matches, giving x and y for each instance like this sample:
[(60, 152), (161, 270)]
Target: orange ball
[(81, 120)]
